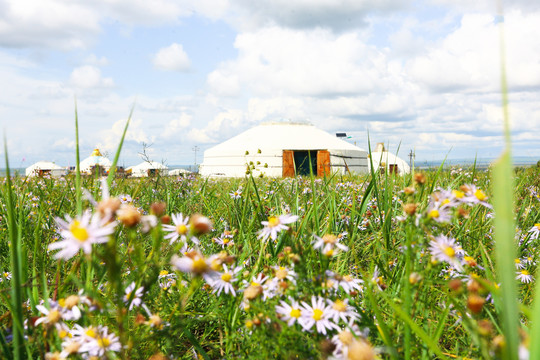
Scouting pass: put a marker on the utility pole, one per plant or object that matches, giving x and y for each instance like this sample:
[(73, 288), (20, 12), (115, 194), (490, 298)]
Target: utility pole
[(412, 156), (195, 149)]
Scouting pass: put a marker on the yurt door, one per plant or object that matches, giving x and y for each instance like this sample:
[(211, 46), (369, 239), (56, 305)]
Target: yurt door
[(323, 163), (288, 163)]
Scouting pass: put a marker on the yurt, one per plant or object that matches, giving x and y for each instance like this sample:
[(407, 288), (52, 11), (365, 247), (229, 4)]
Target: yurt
[(179, 172), (42, 168), (283, 150), (148, 169), (95, 163), (388, 162)]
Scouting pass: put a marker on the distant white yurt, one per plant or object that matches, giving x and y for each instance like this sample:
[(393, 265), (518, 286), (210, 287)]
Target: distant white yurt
[(148, 169), (283, 150), (179, 172), (42, 168), (388, 162), (95, 162)]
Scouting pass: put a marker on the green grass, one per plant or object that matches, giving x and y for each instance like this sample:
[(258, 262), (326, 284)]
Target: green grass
[(419, 319)]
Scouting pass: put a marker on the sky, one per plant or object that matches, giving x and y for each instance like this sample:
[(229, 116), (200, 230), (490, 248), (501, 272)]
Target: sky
[(416, 75)]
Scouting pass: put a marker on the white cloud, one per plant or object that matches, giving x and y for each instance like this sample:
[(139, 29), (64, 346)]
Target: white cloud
[(87, 77), (176, 127), (172, 58), (135, 136)]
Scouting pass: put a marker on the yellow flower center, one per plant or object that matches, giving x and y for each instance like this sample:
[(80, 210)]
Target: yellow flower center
[(524, 272), (346, 337), (281, 273), (339, 305), (347, 278), (434, 213), (329, 239), (517, 261), (163, 273), (458, 194), (78, 232), (253, 283), (226, 241), (104, 342), (317, 314), (54, 316), (450, 251), (63, 333), (480, 195), (181, 229), (445, 201), (91, 332), (199, 265), (273, 221), (295, 313), (226, 277), (329, 252), (537, 226)]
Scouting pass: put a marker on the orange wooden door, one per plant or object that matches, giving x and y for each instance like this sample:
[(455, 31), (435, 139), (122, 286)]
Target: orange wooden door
[(288, 163), (323, 163)]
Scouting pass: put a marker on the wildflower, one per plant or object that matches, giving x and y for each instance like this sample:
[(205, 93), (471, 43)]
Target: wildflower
[(194, 262), (520, 264), (226, 239), (125, 199), (473, 195), (445, 249), (70, 310), (180, 229), (5, 275), (52, 316), (237, 194), (535, 231), (102, 343), (317, 314), (275, 224), (340, 309), (289, 313), (348, 283), (346, 338), (438, 212), (148, 222), (329, 244), (200, 224), (524, 276), (81, 233), (223, 281), (133, 298)]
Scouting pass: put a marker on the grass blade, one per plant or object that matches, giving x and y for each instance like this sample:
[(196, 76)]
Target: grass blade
[(112, 170)]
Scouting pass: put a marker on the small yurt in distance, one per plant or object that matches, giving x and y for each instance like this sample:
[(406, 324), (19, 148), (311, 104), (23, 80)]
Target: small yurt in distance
[(281, 149), (95, 163), (388, 162), (148, 169), (42, 168)]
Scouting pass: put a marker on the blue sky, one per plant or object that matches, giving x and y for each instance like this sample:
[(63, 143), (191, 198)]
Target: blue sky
[(421, 75)]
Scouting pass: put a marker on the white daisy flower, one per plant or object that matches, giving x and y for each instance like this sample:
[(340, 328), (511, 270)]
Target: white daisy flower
[(438, 212), (328, 244), (194, 262), (318, 315), (52, 316), (340, 309), (289, 313), (222, 281), (473, 195), (524, 276), (348, 283), (276, 224), (102, 343), (535, 231), (447, 250), (180, 229), (133, 297), (81, 233), (125, 198)]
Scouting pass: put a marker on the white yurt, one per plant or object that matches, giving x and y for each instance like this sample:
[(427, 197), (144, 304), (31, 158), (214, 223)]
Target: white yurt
[(148, 169), (281, 149), (179, 172), (388, 162), (42, 168), (95, 162)]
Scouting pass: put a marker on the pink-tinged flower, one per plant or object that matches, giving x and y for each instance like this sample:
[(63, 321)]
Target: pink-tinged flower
[(102, 343), (340, 309), (276, 224), (180, 229), (289, 313), (438, 212), (348, 283), (474, 195), (133, 297), (535, 231), (222, 281), (318, 315), (524, 276), (447, 250), (81, 233)]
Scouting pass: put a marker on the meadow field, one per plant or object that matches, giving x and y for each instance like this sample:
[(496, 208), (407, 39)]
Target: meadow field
[(365, 267)]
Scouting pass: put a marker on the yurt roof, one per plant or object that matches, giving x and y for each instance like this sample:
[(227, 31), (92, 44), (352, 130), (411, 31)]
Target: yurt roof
[(287, 136), (145, 165), (43, 165), (95, 159)]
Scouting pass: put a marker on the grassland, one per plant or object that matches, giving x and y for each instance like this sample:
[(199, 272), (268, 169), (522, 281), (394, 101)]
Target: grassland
[(378, 266)]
